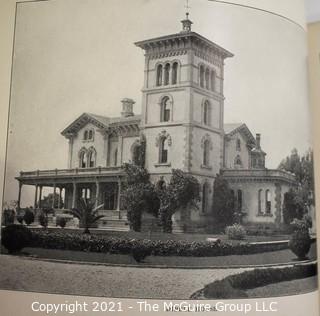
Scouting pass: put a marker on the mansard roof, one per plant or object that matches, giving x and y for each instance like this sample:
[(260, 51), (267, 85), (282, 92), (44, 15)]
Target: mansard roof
[(233, 128), (101, 122), (182, 40)]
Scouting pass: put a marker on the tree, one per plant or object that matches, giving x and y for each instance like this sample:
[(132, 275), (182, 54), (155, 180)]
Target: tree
[(87, 214), (139, 154), (182, 191), (302, 167), (223, 202), (138, 195), (293, 206)]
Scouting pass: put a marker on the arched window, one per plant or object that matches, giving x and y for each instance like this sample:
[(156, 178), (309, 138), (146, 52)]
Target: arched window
[(201, 76), (268, 202), (174, 73), (159, 75), (90, 134), (163, 150), (213, 80), (85, 135), (115, 157), (167, 74), (135, 151), (206, 152), (238, 145), (238, 162), (207, 78), (82, 158), (165, 110), (260, 201), (206, 113), (239, 200), (91, 158), (205, 197)]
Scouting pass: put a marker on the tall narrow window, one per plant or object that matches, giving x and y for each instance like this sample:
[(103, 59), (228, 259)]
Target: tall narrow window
[(239, 200), (238, 162), (159, 75), (92, 158), (206, 113), (206, 152), (115, 157), (82, 159), (174, 73), (212, 80), (165, 110), (202, 76), (268, 202), (238, 144), (90, 134), (167, 74), (85, 135), (207, 78), (163, 153), (260, 201)]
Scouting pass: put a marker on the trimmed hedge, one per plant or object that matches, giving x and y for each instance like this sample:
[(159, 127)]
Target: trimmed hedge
[(238, 283), (94, 243), (16, 237)]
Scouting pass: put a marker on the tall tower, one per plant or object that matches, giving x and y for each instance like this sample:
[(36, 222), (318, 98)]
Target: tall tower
[(182, 104)]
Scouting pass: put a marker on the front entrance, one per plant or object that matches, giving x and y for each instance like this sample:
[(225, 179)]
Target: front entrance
[(110, 196)]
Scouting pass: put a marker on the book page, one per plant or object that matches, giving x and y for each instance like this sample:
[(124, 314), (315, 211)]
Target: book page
[(158, 157)]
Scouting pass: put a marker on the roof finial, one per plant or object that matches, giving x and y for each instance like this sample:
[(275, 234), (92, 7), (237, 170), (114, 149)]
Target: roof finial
[(186, 24)]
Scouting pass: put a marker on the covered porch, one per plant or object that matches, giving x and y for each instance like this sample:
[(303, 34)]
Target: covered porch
[(100, 185)]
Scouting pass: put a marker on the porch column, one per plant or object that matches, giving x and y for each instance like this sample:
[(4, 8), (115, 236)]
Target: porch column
[(59, 201), (97, 194), (74, 193), (19, 195), (40, 196), (36, 197), (119, 196), (54, 194)]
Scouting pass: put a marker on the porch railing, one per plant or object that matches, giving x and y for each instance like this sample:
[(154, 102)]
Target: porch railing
[(74, 171)]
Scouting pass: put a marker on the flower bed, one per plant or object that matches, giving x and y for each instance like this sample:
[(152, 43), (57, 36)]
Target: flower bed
[(96, 243), (234, 286)]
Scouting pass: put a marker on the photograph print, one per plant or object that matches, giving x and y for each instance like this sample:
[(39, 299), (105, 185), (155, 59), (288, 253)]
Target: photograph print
[(148, 134)]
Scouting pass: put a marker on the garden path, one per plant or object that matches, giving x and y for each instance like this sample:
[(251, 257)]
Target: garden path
[(19, 273)]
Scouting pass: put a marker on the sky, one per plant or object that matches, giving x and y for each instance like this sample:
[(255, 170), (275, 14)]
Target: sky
[(75, 56)]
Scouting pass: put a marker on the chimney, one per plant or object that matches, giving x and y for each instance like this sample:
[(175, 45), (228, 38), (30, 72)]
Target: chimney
[(258, 140), (127, 107)]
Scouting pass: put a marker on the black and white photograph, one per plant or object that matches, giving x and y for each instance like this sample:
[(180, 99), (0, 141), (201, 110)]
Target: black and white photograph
[(158, 150)]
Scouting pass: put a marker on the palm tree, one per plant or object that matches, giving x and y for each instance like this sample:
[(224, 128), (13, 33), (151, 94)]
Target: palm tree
[(87, 214)]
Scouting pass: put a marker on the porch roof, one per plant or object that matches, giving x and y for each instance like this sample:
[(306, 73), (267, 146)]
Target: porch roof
[(65, 176)]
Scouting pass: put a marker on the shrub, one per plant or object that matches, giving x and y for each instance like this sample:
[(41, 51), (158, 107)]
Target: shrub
[(257, 278), (300, 241), (15, 237), (97, 243), (43, 220), (140, 251), (8, 217), (61, 221), (236, 232), (28, 217)]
